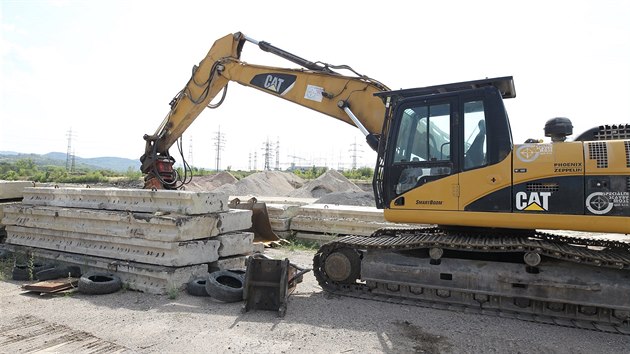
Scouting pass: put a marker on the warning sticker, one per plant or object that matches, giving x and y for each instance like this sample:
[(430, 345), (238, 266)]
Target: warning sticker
[(314, 93), (530, 152)]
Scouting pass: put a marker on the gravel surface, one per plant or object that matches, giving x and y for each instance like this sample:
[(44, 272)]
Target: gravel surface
[(315, 322)]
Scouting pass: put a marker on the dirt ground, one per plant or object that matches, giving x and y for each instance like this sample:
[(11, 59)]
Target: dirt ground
[(315, 322)]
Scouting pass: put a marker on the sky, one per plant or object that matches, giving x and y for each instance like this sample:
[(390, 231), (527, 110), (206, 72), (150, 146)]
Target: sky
[(103, 72)]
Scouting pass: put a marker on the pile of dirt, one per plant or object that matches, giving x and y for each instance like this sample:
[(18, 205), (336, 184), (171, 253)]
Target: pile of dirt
[(331, 181), (266, 183), (210, 182)]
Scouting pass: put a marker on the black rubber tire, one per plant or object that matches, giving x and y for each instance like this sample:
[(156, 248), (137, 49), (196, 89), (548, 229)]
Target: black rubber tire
[(58, 272), (21, 271), (99, 283), (197, 287), (225, 286)]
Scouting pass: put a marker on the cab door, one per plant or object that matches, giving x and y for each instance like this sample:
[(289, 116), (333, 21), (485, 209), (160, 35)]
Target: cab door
[(421, 173), (485, 179)]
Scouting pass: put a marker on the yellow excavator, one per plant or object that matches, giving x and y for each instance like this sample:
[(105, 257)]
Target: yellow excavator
[(445, 156)]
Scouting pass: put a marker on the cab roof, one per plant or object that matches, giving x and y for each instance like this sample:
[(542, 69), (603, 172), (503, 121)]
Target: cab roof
[(505, 85)]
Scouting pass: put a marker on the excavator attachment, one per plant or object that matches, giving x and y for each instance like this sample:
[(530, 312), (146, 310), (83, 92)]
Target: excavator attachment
[(269, 282), (261, 227)]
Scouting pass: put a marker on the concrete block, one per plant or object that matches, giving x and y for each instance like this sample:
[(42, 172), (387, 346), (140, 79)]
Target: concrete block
[(174, 254), (134, 200), (148, 278), (235, 243), (168, 228)]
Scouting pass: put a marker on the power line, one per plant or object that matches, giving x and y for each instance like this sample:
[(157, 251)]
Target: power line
[(70, 152), (267, 152), (354, 151), (190, 152), (278, 154), (219, 144)]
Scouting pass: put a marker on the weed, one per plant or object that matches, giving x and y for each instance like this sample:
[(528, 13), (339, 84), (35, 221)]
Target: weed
[(6, 267), (125, 286), (31, 266), (173, 292)]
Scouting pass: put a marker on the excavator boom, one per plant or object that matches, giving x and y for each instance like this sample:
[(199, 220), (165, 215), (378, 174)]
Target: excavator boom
[(316, 86)]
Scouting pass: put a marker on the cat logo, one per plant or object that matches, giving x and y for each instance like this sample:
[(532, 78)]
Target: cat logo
[(274, 82), (535, 201)]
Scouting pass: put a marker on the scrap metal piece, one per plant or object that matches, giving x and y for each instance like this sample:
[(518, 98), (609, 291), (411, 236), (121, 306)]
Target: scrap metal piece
[(269, 282), (52, 286), (261, 227)]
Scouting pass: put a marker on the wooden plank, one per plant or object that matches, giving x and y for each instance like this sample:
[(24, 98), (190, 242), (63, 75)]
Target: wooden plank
[(51, 286)]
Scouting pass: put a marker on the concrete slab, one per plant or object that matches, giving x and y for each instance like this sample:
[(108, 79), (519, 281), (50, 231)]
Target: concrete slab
[(282, 211), (277, 200), (148, 278), (13, 189), (316, 238), (235, 243), (173, 254), (362, 213), (135, 200), (336, 226), (168, 228)]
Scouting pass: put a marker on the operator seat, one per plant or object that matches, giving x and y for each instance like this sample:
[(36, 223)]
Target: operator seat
[(475, 156)]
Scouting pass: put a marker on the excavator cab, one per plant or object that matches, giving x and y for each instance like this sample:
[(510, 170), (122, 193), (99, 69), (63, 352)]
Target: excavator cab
[(448, 159), (440, 132)]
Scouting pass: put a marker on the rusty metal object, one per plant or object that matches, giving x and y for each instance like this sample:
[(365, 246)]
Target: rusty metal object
[(52, 286), (261, 227), (269, 282)]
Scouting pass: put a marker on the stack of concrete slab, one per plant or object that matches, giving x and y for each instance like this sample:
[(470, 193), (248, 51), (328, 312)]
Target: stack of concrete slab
[(155, 240), (321, 223)]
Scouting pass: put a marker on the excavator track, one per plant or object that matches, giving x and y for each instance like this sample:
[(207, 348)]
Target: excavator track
[(387, 249)]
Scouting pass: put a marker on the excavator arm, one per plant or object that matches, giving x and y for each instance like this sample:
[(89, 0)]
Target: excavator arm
[(316, 86)]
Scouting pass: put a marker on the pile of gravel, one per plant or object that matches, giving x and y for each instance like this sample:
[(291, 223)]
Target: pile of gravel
[(331, 187), (210, 182), (348, 198), (331, 181), (266, 183)]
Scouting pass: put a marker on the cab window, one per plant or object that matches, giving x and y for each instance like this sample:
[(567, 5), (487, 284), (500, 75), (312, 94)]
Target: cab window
[(475, 142), (424, 134), (423, 141)]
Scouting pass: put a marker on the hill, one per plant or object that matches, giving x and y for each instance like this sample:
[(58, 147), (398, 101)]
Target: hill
[(117, 164)]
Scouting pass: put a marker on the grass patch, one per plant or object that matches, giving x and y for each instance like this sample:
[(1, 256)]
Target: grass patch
[(301, 245)]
